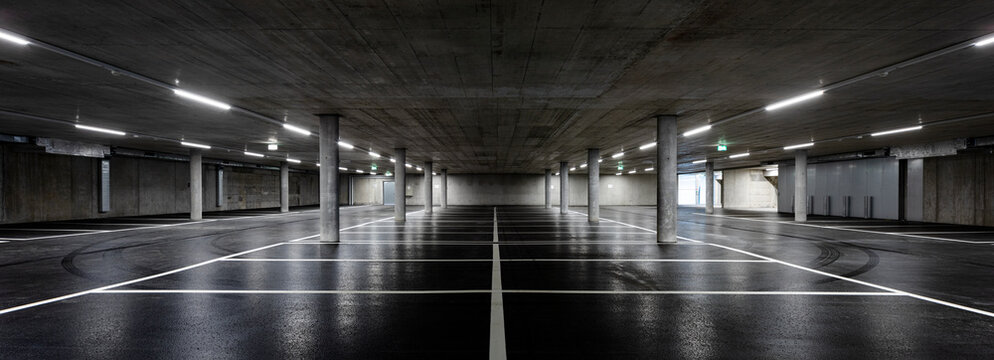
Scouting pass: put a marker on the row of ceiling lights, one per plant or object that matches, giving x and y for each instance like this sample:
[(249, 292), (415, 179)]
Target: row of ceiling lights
[(20, 40)]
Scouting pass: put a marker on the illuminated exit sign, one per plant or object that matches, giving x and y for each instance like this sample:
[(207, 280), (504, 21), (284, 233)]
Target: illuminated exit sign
[(722, 147)]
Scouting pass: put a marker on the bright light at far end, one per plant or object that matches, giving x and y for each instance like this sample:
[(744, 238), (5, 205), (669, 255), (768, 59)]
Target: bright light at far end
[(359, 171), (572, 168), (418, 168), (296, 129), (649, 169), (105, 131), (697, 130), (647, 146), (13, 38), (374, 155), (345, 145), (295, 161), (913, 128), (393, 160), (343, 169), (249, 153), (798, 146), (989, 40), (631, 172), (617, 174), (700, 161), (190, 144), (795, 100), (618, 155), (202, 99), (582, 166), (738, 155)]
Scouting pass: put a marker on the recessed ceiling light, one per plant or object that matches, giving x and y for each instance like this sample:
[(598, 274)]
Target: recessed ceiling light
[(345, 145), (190, 144), (631, 172), (374, 155), (913, 128), (97, 129), (13, 38), (798, 146), (700, 161), (296, 129), (342, 169), (738, 155), (618, 155), (697, 130), (649, 169), (583, 166), (989, 40), (647, 146), (202, 99), (295, 161), (249, 153), (617, 174)]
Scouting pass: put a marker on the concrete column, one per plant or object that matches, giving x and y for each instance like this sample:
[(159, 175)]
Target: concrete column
[(709, 188), (548, 188), (564, 188), (593, 185), (666, 179), (400, 185), (328, 178), (427, 187), (196, 184), (445, 188), (284, 187), (801, 185)]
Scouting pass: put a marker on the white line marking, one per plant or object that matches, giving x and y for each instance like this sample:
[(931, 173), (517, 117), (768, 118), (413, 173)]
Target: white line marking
[(692, 292), (618, 222), (948, 232), (848, 229), (358, 260), (642, 260), (487, 243), (498, 342), (503, 260), (51, 230), (123, 283), (322, 292), (881, 287)]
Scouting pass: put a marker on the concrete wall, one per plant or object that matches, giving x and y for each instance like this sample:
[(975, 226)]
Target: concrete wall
[(747, 189), (959, 189), (512, 189), (831, 182), (45, 187)]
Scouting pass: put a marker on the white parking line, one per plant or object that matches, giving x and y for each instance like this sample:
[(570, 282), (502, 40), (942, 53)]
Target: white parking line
[(503, 260), (286, 292), (849, 229), (498, 342), (358, 260), (865, 283), (692, 292)]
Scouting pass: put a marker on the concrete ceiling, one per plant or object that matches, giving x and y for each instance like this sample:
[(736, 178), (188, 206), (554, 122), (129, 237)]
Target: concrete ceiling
[(500, 86)]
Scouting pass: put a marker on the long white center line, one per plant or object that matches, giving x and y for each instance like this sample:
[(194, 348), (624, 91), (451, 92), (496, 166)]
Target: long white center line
[(498, 343), (881, 287)]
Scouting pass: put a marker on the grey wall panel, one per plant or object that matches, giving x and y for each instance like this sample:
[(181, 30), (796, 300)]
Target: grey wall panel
[(857, 179), (914, 201)]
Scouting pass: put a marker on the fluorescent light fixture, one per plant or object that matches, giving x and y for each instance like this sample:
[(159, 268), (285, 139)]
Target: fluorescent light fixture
[(913, 128), (618, 155), (373, 154), (318, 164), (296, 129), (343, 169), (989, 40), (418, 168), (359, 171), (202, 99), (583, 166), (631, 172), (697, 130), (649, 169), (572, 168), (13, 38), (434, 173), (97, 129), (190, 144), (393, 160), (345, 145), (249, 153), (738, 155), (272, 147), (700, 161), (408, 165), (295, 161), (798, 146), (557, 174), (772, 169), (600, 160), (794, 100), (647, 146), (617, 174)]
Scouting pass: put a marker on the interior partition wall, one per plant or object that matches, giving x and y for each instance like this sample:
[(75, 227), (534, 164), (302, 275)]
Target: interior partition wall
[(857, 188)]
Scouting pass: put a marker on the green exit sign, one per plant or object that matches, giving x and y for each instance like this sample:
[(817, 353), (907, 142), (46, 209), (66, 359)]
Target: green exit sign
[(372, 167), (722, 147)]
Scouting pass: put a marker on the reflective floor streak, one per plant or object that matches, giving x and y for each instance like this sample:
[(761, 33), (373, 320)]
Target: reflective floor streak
[(531, 284)]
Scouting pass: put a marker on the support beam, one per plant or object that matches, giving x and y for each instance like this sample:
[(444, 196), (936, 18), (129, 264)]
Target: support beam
[(564, 188), (328, 178), (400, 185), (445, 188), (801, 185), (709, 188), (427, 187), (284, 187), (196, 184), (548, 188), (593, 185), (666, 179)]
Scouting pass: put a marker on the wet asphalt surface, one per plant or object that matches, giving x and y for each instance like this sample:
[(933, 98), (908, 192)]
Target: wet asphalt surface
[(422, 289)]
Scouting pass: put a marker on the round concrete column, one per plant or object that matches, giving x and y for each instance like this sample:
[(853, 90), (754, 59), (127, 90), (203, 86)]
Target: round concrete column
[(564, 188), (445, 188), (427, 187), (284, 187), (801, 185), (548, 188), (666, 185), (400, 185), (709, 188), (328, 176), (196, 185), (593, 185)]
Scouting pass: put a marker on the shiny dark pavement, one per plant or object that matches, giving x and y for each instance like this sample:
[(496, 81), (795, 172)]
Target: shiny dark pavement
[(261, 285)]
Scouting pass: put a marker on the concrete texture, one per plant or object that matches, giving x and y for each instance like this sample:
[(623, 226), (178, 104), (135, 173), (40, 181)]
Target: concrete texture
[(400, 185), (875, 180), (428, 197), (667, 183), (709, 187), (328, 181), (548, 188), (284, 187), (564, 198), (196, 184), (593, 185), (800, 186), (959, 189), (747, 189)]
